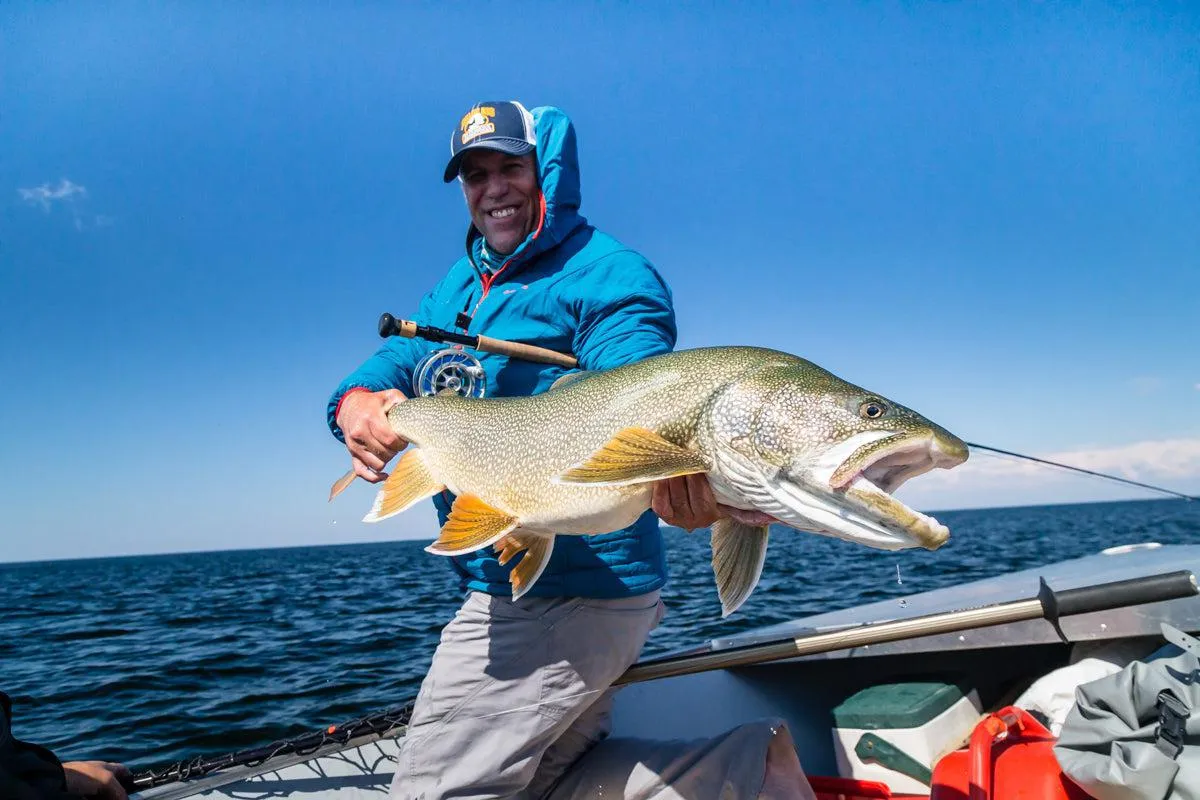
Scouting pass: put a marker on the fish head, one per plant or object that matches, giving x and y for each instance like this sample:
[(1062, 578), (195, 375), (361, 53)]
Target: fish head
[(814, 452)]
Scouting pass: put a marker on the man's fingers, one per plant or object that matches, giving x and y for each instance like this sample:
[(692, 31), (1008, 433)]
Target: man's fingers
[(381, 428), (112, 788), (379, 455), (391, 397), (701, 490), (385, 436), (660, 501), (680, 504), (686, 502), (700, 495), (678, 493), (363, 418), (371, 452), (363, 455), (366, 473), (95, 779), (694, 496)]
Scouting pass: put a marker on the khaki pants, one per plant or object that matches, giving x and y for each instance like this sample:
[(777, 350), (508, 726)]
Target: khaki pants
[(517, 692)]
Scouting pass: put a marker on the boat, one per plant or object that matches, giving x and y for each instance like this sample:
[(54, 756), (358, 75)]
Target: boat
[(975, 647)]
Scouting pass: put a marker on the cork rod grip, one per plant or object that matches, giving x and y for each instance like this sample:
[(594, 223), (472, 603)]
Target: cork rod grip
[(526, 352)]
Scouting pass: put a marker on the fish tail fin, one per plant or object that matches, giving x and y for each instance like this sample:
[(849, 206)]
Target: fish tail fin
[(340, 484), (410, 482), (738, 553), (472, 524), (537, 548), (635, 455)]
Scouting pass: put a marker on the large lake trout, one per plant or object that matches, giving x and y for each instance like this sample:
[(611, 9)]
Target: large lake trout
[(780, 439)]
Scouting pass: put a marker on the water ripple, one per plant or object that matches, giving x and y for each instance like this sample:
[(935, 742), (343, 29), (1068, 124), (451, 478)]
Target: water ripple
[(146, 659)]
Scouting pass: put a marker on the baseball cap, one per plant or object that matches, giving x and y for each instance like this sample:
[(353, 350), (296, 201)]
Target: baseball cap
[(502, 125)]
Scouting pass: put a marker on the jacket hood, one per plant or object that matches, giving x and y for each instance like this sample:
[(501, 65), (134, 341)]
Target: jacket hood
[(558, 177)]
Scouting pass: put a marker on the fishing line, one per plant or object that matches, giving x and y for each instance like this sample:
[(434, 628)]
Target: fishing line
[(975, 446)]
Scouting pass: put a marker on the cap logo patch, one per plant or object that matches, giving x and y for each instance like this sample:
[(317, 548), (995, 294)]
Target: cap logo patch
[(477, 122)]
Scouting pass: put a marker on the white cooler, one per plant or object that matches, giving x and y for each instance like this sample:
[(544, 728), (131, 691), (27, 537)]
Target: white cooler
[(896, 732)]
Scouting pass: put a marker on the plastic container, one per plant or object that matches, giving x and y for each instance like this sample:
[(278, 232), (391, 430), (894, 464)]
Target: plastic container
[(894, 733), (827, 788), (1010, 757)]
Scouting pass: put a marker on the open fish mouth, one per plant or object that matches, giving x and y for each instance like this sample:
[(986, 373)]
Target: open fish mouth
[(755, 493), (880, 463), (893, 515), (887, 460), (856, 506)]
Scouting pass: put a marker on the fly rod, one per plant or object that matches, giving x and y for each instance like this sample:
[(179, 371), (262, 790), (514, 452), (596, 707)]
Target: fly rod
[(390, 326), (1048, 605)]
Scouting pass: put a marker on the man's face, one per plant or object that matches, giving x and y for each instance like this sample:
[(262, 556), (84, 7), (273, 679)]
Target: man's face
[(502, 196)]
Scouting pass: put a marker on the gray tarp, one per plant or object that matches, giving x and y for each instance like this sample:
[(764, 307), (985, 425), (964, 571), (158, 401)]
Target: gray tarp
[(1112, 743), (754, 761)]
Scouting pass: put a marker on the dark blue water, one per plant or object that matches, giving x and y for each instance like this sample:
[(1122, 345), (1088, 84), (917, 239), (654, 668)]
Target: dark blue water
[(149, 659)]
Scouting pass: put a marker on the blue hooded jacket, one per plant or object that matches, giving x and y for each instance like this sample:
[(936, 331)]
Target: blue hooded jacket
[(567, 287)]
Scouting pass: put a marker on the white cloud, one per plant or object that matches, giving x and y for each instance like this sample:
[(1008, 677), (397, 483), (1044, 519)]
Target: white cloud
[(988, 479), (45, 195), (69, 195)]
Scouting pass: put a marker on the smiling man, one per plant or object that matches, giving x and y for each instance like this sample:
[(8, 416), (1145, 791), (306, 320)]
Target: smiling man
[(517, 691)]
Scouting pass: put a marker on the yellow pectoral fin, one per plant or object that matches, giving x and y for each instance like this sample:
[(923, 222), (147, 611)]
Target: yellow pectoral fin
[(409, 483), (635, 455), (472, 524)]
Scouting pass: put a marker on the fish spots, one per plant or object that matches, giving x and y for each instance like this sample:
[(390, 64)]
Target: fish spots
[(769, 429)]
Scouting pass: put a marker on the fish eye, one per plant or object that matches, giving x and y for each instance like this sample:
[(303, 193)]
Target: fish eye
[(872, 409)]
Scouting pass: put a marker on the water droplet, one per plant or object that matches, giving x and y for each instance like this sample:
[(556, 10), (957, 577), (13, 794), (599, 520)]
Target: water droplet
[(903, 603), (898, 578)]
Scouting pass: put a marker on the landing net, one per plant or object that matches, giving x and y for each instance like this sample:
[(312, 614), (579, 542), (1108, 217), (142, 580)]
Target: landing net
[(303, 745)]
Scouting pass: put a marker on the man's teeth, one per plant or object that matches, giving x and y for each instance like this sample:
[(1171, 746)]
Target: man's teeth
[(503, 212)]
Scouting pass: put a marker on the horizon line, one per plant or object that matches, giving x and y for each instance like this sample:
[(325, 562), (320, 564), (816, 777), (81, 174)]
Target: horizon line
[(262, 548)]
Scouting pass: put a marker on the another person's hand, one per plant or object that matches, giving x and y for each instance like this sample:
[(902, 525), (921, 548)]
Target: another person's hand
[(369, 438), (685, 502), (96, 779)]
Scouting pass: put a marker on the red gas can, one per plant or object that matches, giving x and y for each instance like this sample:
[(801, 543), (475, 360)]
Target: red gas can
[(1010, 757), (828, 788)]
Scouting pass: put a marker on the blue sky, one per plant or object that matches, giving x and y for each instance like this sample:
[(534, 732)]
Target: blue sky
[(986, 212)]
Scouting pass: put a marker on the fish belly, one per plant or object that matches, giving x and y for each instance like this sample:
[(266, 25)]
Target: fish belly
[(537, 501), (596, 510)]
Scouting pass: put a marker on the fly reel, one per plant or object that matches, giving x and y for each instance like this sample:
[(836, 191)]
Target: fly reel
[(450, 369)]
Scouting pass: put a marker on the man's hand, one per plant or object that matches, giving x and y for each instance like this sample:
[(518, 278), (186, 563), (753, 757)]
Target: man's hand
[(686, 502), (369, 438), (96, 779)]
